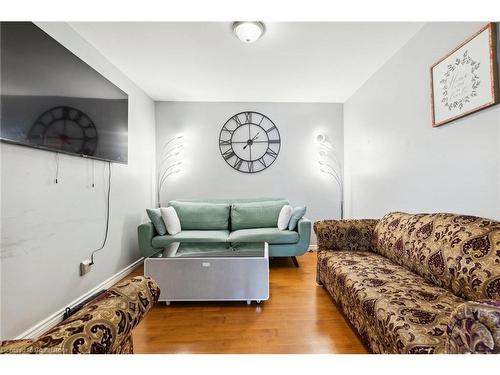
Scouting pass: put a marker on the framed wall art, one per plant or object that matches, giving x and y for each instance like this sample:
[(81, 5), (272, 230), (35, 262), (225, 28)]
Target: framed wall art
[(466, 80)]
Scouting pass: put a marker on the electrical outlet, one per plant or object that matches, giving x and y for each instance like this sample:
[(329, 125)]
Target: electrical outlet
[(85, 267)]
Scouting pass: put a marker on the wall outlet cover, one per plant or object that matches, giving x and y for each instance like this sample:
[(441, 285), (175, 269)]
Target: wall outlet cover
[(85, 267)]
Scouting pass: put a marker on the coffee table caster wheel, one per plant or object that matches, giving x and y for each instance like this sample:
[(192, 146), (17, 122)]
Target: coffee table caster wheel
[(258, 301), (167, 303), (249, 302)]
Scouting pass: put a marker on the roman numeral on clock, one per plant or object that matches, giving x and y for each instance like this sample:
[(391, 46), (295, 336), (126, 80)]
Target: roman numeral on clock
[(270, 129), (228, 154), (250, 166), (271, 153), (224, 129), (237, 120), (77, 117), (238, 162), (262, 119), (223, 142), (248, 117)]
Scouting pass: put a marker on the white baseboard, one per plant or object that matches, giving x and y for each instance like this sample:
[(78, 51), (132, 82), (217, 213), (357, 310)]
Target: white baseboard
[(57, 317), (313, 247)]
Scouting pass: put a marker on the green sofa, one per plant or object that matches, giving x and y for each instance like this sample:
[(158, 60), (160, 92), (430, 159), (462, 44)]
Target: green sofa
[(235, 222)]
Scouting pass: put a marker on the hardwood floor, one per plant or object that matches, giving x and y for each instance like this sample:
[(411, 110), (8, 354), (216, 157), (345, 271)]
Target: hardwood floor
[(299, 317)]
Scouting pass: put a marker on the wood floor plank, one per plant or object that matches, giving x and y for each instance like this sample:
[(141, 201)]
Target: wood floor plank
[(299, 317)]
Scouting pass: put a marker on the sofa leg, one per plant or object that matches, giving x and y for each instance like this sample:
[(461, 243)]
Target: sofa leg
[(295, 261)]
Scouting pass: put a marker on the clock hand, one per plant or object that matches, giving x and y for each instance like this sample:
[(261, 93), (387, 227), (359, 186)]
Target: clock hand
[(251, 140)]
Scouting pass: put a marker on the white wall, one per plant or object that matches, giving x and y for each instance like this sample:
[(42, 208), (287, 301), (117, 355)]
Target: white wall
[(395, 160), (47, 229), (294, 174)]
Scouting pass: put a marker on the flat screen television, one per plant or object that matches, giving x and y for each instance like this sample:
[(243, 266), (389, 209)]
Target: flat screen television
[(50, 99)]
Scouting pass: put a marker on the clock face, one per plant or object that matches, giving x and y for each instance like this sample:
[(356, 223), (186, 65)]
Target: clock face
[(249, 142), (65, 128)]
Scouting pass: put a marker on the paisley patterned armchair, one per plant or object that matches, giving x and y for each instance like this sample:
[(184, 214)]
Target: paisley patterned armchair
[(426, 283), (102, 326)]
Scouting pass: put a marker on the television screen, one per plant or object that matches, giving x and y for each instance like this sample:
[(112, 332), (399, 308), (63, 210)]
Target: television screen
[(52, 100)]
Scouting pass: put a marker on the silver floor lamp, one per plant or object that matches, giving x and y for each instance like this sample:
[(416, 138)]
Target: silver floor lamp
[(330, 165), (169, 163)]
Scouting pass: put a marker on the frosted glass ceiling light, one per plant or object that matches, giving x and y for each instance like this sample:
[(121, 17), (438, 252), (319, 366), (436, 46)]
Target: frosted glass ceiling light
[(248, 32)]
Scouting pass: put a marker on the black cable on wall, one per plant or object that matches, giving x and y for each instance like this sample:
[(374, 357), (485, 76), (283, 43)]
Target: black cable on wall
[(107, 216)]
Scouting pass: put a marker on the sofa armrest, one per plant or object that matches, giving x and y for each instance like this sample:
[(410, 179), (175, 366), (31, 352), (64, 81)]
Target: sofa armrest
[(474, 327), (145, 233), (104, 325), (304, 227), (345, 234)]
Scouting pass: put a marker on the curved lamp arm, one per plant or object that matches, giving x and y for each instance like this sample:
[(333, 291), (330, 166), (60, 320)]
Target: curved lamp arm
[(171, 140), (169, 150), (326, 150), (161, 178), (341, 187), (167, 153), (326, 154), (330, 168), (171, 153), (160, 184)]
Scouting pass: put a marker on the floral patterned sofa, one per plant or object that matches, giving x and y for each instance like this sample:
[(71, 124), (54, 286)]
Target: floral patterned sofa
[(102, 326), (426, 283)]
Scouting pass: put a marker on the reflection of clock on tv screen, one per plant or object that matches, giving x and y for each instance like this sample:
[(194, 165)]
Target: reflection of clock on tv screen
[(54, 101), (249, 142), (66, 129)]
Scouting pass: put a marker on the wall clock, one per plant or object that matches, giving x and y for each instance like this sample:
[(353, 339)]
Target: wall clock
[(249, 142), (65, 128)]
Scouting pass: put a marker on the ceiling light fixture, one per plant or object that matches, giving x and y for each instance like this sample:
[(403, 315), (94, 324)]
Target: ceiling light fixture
[(248, 32)]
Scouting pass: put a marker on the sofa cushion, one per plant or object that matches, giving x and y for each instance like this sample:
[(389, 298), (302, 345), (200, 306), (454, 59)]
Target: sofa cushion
[(284, 217), (297, 214), (457, 252), (155, 217), (352, 234), (202, 216), (191, 236), (171, 220), (230, 201), (269, 235), (256, 214), (394, 309)]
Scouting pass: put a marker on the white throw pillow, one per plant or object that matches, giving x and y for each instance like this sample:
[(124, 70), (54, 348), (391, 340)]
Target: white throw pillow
[(284, 218), (172, 222)]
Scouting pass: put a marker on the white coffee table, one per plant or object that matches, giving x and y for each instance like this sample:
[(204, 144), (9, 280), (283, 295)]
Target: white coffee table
[(211, 272)]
